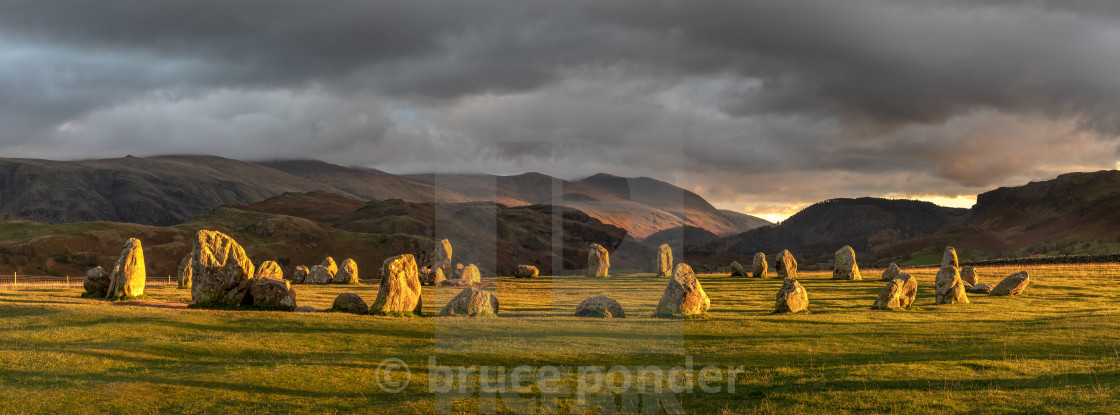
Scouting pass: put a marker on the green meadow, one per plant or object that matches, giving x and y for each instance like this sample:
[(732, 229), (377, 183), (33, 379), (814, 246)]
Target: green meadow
[(1055, 349)]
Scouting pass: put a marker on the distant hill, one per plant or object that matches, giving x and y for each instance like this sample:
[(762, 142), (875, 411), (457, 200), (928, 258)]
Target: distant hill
[(679, 237)]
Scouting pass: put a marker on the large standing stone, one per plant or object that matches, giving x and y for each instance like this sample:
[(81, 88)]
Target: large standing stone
[(526, 271), (468, 276), (664, 261), (844, 265), (949, 258), (786, 264), (330, 265), (128, 276), (1014, 284), (737, 269), (442, 260), (472, 302), (759, 267), (222, 271), (899, 293), (948, 287), (300, 274), (891, 272), (791, 298), (598, 262), (350, 303), (270, 269), (400, 287), (318, 275), (968, 275), (186, 273), (600, 306), (273, 293), (97, 282), (684, 296), (347, 274)]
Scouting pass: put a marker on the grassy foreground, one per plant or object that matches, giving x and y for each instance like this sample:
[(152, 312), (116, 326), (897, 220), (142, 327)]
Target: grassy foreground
[(1056, 349)]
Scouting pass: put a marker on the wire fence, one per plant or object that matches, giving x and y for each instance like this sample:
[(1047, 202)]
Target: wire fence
[(12, 282)]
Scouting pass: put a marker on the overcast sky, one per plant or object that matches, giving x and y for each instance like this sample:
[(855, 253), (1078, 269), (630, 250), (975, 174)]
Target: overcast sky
[(761, 107)]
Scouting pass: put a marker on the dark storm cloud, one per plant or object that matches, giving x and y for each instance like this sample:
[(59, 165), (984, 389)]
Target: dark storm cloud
[(820, 97)]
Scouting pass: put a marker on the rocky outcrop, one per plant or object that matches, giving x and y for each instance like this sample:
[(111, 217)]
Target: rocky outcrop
[(948, 287), (526, 271), (472, 302), (600, 306), (299, 275), (786, 265), (759, 266), (97, 282), (737, 269), (222, 272), (270, 269), (347, 274), (400, 287), (791, 298), (273, 293), (891, 272), (899, 293), (664, 261), (683, 296), (598, 262), (129, 275), (844, 265), (350, 303), (318, 275), (1014, 284)]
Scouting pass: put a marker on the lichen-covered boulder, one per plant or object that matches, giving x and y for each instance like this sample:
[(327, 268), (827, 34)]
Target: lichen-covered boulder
[(969, 276), (97, 282), (468, 276), (683, 296), (526, 271), (434, 277), (299, 275), (899, 293), (270, 269), (350, 303), (949, 258), (330, 265), (759, 266), (400, 287), (737, 269), (441, 259), (664, 261), (472, 302), (222, 272), (844, 265), (600, 306), (273, 293), (948, 287), (1014, 284), (598, 262), (786, 265), (186, 274), (347, 273), (791, 298), (891, 272), (129, 275), (980, 289), (318, 275)]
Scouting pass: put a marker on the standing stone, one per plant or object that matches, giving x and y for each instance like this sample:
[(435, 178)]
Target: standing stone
[(891, 272), (350, 303), (330, 265), (128, 276), (791, 298), (300, 274), (601, 306), (472, 302), (844, 265), (468, 276), (222, 272), (186, 274), (272, 293), (318, 275), (948, 287), (400, 287), (270, 269), (442, 259), (759, 268), (949, 258), (786, 265), (458, 272), (899, 293), (968, 275), (526, 271), (684, 296), (737, 270), (97, 282), (347, 274), (435, 277), (664, 261), (598, 262), (909, 290), (1014, 284)]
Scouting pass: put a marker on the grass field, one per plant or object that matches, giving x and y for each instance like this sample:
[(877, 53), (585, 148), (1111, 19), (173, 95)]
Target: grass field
[(1056, 349)]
